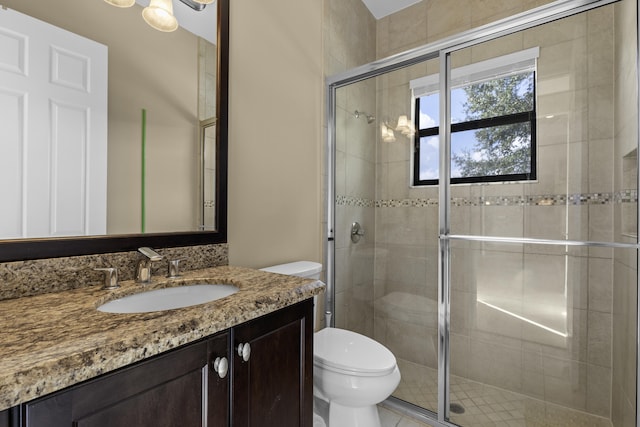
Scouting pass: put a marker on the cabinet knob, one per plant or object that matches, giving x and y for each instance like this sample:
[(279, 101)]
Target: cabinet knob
[(244, 351), (221, 366)]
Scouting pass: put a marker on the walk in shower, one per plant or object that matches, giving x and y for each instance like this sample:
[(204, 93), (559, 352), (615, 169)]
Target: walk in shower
[(482, 221)]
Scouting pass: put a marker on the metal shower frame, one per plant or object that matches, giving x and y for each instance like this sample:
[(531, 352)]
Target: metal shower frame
[(442, 49)]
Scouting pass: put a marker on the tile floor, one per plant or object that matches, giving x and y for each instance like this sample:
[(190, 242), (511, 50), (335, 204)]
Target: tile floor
[(390, 418), (484, 405)]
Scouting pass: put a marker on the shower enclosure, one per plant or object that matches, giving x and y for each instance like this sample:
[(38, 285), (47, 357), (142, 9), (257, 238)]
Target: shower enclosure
[(482, 221)]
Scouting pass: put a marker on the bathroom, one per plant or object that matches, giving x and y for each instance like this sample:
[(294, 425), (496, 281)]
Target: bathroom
[(276, 206)]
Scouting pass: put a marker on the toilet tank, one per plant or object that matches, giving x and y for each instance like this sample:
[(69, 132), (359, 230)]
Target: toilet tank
[(307, 269)]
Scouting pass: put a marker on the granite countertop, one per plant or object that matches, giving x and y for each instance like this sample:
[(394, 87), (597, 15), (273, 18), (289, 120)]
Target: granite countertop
[(49, 342)]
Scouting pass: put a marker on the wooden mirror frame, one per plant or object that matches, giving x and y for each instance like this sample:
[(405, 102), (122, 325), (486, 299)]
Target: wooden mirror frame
[(27, 249)]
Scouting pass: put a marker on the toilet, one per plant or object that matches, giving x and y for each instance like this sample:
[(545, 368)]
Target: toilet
[(351, 372)]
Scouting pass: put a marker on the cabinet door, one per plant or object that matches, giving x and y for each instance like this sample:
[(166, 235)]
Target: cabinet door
[(274, 388), (218, 381), (165, 391), (4, 418)]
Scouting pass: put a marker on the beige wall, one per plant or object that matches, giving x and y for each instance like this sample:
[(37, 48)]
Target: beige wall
[(275, 132), (163, 80)]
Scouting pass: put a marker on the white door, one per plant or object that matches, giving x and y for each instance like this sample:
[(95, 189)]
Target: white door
[(53, 130)]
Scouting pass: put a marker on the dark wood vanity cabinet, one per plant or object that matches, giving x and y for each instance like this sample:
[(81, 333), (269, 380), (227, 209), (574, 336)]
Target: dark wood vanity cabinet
[(274, 387), (183, 388), (4, 418), (167, 390), (218, 386)]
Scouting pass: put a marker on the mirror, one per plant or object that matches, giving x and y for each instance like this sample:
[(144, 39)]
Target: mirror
[(167, 132)]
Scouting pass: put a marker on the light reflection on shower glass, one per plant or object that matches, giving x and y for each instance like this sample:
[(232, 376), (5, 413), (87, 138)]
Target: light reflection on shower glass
[(536, 328)]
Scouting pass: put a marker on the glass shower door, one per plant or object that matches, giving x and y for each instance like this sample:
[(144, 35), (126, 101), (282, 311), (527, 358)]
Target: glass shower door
[(535, 299), (380, 269), (544, 265)]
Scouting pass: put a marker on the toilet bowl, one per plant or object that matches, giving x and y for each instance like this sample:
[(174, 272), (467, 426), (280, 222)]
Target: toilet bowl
[(351, 372)]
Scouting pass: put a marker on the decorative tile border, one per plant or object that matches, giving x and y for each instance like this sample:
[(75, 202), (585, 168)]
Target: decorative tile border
[(627, 196), (355, 201), (542, 200), (624, 196), (406, 203)]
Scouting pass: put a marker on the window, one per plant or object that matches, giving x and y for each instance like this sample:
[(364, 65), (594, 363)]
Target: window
[(493, 122)]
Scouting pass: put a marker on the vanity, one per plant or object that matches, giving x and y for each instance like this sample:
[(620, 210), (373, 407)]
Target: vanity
[(242, 360)]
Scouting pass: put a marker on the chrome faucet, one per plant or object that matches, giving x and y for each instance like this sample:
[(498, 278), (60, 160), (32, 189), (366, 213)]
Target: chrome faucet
[(143, 269)]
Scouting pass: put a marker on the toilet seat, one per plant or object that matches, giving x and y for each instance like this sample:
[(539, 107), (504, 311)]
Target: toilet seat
[(351, 353)]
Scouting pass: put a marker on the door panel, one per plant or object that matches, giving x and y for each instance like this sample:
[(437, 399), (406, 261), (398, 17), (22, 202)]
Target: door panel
[(53, 94), (176, 403), (273, 388), (167, 390), (12, 108), (218, 388)]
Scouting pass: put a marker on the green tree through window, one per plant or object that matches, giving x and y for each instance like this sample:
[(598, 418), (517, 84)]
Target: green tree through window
[(492, 131), (504, 150)]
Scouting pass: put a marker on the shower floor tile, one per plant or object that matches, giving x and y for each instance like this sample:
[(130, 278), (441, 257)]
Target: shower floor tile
[(487, 406)]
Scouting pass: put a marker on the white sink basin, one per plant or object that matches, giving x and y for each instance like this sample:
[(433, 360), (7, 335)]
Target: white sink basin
[(168, 298)]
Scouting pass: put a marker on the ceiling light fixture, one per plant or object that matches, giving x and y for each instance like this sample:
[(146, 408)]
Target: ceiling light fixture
[(159, 14), (197, 5)]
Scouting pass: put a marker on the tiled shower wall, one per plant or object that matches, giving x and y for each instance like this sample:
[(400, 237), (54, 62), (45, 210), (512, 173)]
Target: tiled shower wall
[(574, 198), (350, 41), (431, 20), (352, 37), (625, 268)]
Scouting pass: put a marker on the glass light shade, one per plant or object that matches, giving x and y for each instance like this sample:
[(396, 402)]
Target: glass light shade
[(410, 130), (387, 133), (159, 14), (121, 3), (402, 123), (390, 137)]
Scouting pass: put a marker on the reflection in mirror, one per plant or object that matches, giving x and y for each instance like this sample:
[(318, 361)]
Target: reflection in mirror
[(129, 162), (208, 185)]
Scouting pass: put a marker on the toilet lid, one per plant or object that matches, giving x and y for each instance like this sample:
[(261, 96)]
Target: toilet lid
[(347, 351)]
